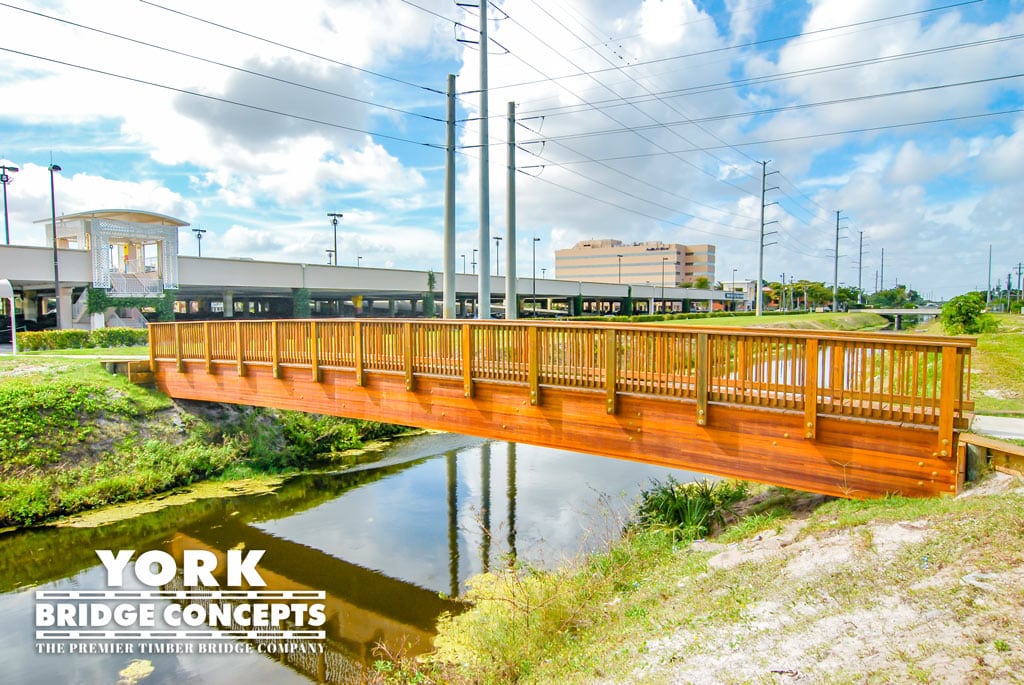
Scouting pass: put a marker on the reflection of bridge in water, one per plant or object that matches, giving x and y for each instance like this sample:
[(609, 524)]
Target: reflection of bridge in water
[(364, 608), (853, 415)]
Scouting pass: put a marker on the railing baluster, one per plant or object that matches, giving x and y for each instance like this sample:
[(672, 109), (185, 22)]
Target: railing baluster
[(702, 379)]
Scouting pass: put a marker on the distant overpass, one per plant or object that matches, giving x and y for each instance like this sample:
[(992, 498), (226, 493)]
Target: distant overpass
[(267, 288)]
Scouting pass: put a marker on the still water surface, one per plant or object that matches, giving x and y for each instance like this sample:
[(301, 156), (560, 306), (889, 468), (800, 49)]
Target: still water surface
[(391, 544)]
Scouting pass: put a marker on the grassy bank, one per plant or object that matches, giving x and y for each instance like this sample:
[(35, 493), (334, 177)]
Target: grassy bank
[(73, 437), (825, 321), (893, 590)]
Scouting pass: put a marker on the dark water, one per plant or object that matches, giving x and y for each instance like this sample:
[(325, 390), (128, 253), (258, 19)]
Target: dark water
[(390, 545)]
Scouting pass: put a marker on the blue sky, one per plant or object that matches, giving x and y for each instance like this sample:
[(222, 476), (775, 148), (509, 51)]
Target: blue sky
[(637, 120)]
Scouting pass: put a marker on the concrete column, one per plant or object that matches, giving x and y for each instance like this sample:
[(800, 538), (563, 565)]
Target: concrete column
[(97, 321), (391, 307), (30, 305), (229, 304), (64, 305)]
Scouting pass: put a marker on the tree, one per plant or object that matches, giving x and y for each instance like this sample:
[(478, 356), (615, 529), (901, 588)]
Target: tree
[(429, 307), (966, 314), (702, 283)]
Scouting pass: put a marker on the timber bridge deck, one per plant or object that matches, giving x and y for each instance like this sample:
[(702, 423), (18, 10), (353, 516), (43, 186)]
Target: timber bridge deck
[(847, 414)]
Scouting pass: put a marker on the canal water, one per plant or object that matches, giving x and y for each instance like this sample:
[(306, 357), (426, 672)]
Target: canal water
[(390, 545)]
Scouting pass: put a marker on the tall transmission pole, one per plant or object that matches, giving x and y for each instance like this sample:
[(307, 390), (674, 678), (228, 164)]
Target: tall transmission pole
[(988, 293), (484, 283), (860, 267), (511, 296), (759, 292), (881, 271), (448, 302), (835, 270)]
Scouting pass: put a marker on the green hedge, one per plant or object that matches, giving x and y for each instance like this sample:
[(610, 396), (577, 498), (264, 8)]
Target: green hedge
[(74, 338)]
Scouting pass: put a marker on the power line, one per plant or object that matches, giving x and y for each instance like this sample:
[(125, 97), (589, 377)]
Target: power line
[(811, 136), (609, 116), (214, 98), (749, 44), (661, 100), (777, 110), (293, 48), (781, 76), (205, 60)]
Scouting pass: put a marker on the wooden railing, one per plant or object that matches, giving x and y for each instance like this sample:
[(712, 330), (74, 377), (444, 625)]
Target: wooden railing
[(889, 377)]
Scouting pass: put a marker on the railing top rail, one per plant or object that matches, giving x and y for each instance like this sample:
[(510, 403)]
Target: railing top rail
[(750, 332)]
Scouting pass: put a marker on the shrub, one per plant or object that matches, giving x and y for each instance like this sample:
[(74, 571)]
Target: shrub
[(966, 314), (118, 337), (688, 510), (74, 338)]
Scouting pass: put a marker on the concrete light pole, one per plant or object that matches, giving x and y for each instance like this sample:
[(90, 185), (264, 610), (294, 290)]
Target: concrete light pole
[(497, 256), (535, 241), (199, 239), (334, 221), (56, 265), (5, 179)]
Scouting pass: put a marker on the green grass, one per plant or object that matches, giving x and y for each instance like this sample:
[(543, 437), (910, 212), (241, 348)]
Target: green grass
[(73, 437), (837, 321), (603, 617)]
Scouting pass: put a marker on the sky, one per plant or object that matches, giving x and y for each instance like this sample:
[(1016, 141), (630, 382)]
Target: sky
[(653, 120)]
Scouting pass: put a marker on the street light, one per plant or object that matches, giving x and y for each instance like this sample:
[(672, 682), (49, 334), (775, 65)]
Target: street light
[(358, 261), (334, 221), (620, 267), (330, 255), (733, 284), (497, 256), (463, 263), (664, 260), (5, 179), (199, 238), (56, 267), (473, 263), (543, 272), (535, 241)]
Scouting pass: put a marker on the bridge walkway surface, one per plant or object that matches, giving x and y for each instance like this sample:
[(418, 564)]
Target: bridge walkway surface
[(854, 415)]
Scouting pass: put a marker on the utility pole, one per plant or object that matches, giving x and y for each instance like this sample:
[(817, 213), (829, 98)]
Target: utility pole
[(759, 304), (860, 267), (448, 301), (835, 270), (881, 273), (988, 293), (511, 296), (484, 283), (1020, 270)]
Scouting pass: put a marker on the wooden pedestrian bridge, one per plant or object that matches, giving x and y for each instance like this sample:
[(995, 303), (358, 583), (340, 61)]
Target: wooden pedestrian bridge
[(847, 414)]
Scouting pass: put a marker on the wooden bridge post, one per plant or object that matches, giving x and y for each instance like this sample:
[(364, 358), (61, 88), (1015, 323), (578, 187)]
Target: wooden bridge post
[(275, 351), (703, 368), (467, 360), (533, 364), (152, 347), (207, 352), (314, 352), (811, 389), (948, 393), (179, 363), (239, 359), (610, 364), (357, 350), (408, 342)]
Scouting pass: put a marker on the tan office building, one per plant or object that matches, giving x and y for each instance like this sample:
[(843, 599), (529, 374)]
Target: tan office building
[(650, 263)]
